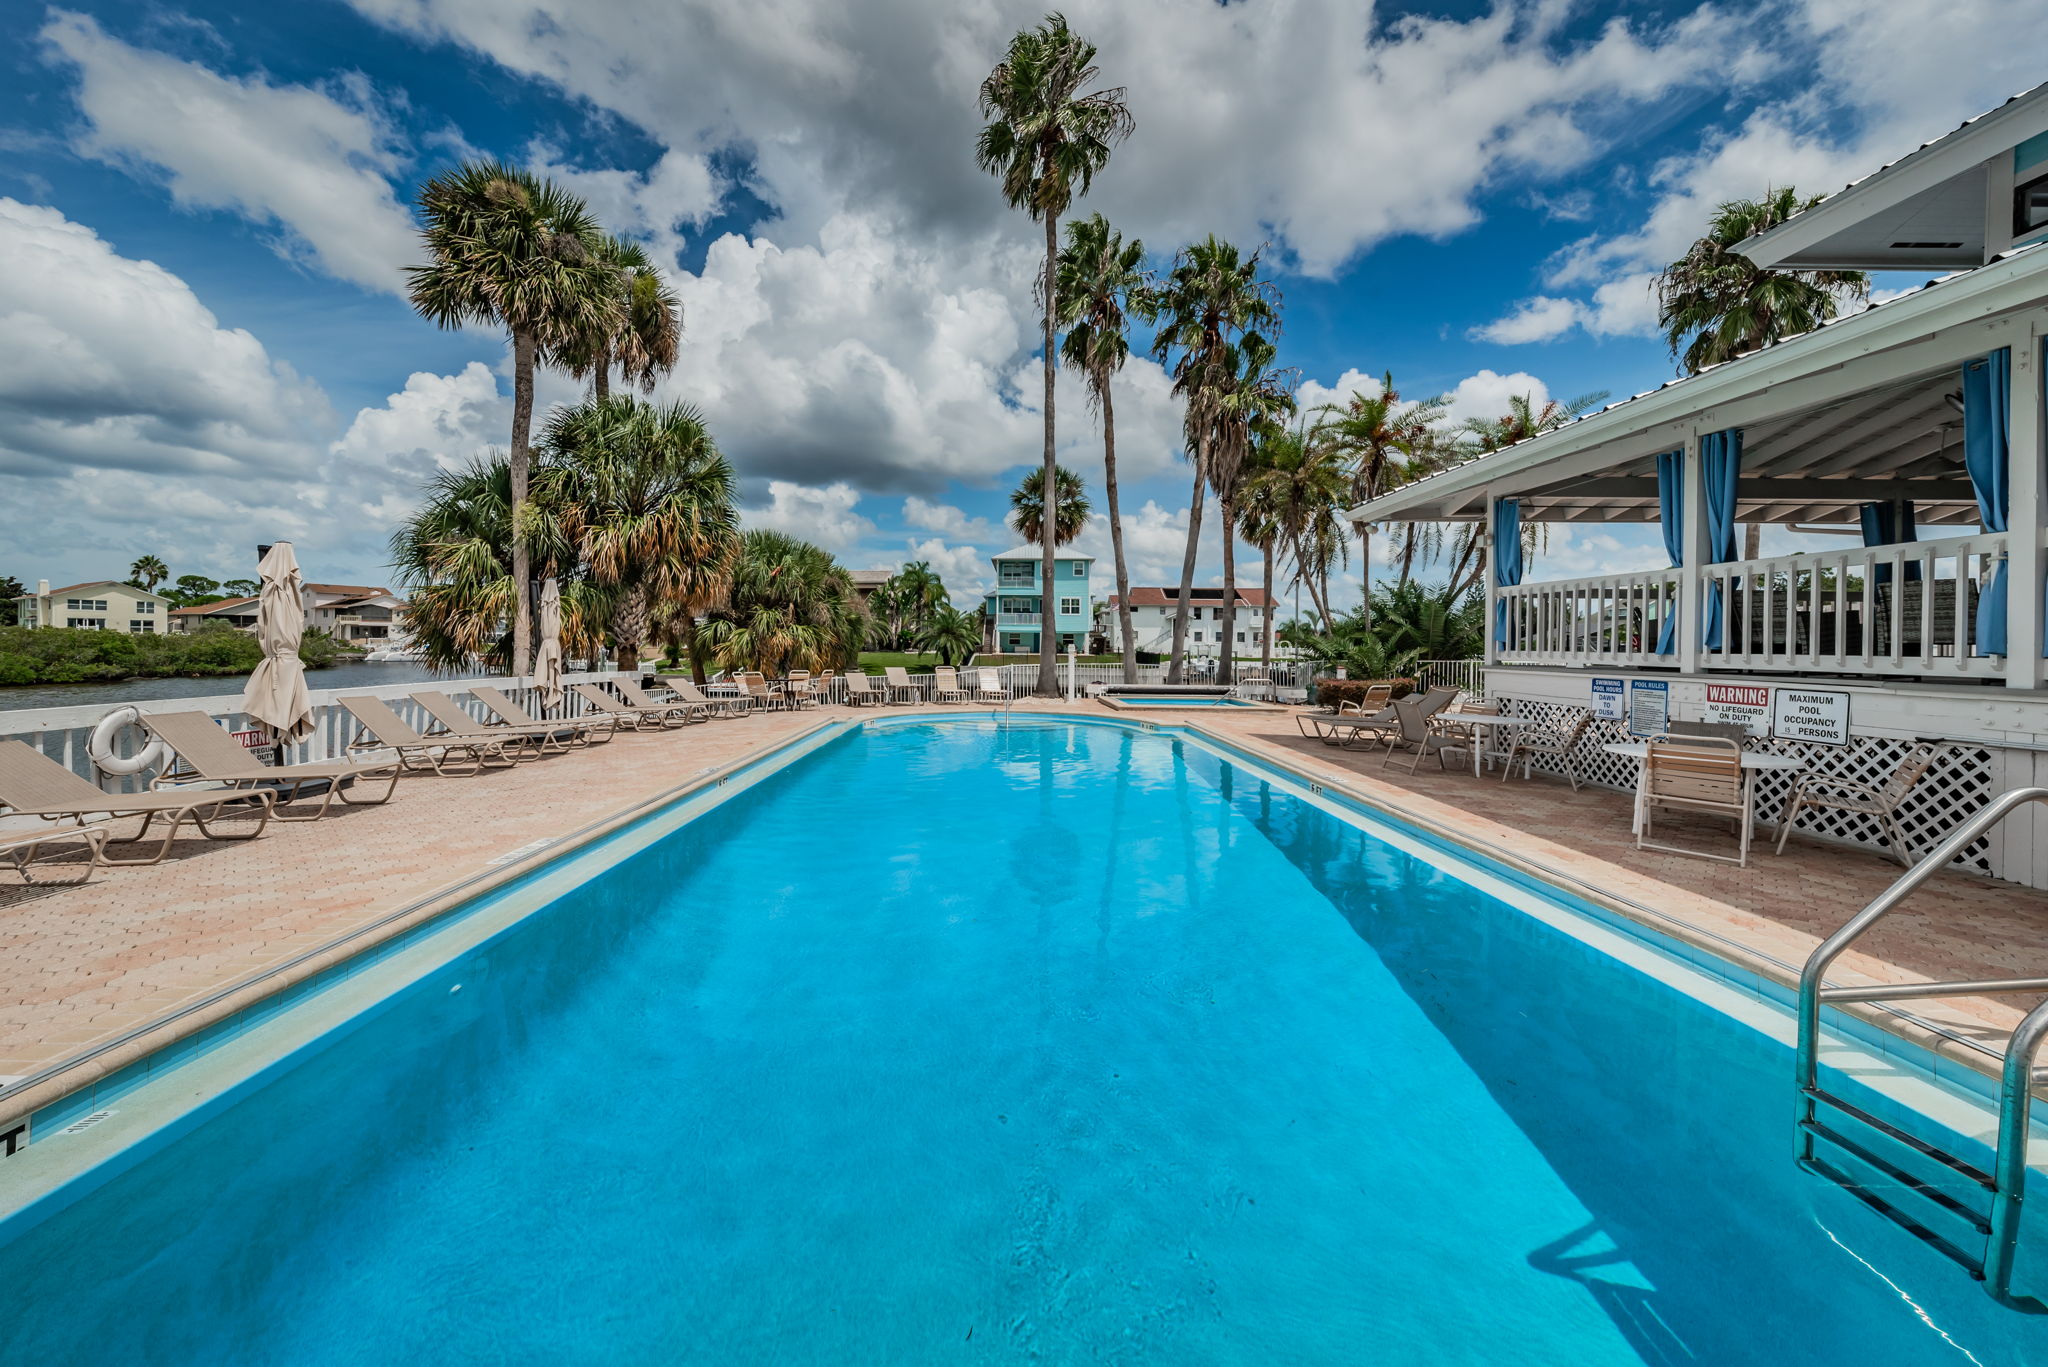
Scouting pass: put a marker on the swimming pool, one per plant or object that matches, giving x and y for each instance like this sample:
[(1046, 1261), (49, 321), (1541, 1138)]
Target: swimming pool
[(955, 1042)]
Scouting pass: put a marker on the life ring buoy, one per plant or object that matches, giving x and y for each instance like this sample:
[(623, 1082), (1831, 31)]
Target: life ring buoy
[(100, 745)]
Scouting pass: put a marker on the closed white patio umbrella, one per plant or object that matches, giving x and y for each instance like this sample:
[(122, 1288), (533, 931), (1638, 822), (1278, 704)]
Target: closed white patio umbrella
[(547, 661), (276, 695)]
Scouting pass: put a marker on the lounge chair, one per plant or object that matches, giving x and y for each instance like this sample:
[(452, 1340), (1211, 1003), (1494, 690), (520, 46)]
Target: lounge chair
[(989, 686), (210, 754), (861, 690), (1822, 792), (598, 703), (1377, 698), (455, 721), (946, 685), (638, 699), (584, 729), (379, 728), (1697, 774), (687, 690), (22, 848), (1345, 731), (899, 684), (1560, 743), (1413, 732), (33, 784)]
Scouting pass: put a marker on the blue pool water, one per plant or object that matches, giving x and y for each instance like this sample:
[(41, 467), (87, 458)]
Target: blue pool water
[(1054, 1044)]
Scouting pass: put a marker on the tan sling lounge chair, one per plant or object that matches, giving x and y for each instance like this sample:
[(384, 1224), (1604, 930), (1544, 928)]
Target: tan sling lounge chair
[(640, 700), (33, 784), (988, 685), (587, 730), (23, 849), (900, 684), (946, 685), (453, 720), (383, 729), (208, 753), (687, 690), (597, 702), (861, 690), (1413, 732)]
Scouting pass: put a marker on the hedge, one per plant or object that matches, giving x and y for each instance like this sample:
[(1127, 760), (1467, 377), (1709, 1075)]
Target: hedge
[(1331, 692), (47, 655)]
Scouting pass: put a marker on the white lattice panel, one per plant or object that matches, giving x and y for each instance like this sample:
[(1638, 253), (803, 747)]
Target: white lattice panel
[(1960, 782)]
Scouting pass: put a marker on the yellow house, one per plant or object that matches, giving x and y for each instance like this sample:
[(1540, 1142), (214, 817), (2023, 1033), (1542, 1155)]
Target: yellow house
[(101, 605)]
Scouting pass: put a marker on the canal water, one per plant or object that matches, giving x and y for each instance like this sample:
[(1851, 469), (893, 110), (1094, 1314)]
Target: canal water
[(353, 675)]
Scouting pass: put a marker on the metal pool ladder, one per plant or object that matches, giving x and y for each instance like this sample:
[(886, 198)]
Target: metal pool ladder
[(1820, 1111)]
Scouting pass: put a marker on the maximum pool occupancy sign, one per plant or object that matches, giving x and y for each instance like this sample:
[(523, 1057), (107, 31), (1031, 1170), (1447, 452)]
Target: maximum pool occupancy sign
[(1803, 714)]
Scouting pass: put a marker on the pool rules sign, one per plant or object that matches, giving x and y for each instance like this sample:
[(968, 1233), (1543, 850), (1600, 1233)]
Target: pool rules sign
[(1815, 717)]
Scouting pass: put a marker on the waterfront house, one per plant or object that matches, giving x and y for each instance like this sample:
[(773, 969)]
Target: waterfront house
[(1011, 610), (1152, 612), (1911, 432), (98, 605)]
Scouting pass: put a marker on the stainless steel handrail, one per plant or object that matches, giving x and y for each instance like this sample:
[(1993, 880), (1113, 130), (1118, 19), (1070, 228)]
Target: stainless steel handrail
[(2008, 1178)]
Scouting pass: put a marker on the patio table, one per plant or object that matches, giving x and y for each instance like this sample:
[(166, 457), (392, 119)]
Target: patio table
[(1753, 761), (1481, 720)]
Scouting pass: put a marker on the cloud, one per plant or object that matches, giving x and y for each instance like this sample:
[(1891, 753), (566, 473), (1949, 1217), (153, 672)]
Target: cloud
[(1542, 319), (965, 570), (1626, 305), (652, 205), (109, 363), (436, 422), (824, 516), (948, 520), (1486, 394), (311, 163)]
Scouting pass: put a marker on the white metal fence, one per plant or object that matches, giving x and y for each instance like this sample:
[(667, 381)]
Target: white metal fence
[(62, 732)]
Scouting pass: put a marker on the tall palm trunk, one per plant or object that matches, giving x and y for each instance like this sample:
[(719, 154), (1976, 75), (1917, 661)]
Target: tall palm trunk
[(1266, 631), (1408, 555), (1320, 600), (601, 378), (1187, 573), (1226, 664), (521, 460), (1048, 603), (1116, 538), (629, 628)]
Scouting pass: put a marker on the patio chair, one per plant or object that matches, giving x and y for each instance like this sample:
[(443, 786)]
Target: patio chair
[(1560, 743), (797, 691), (1880, 804), (1413, 732), (900, 684), (455, 721), (640, 702), (759, 695), (584, 729), (946, 685), (1376, 699), (209, 754), (21, 849), (989, 686), (33, 784), (861, 690), (1465, 737), (379, 728), (687, 690), (1696, 774)]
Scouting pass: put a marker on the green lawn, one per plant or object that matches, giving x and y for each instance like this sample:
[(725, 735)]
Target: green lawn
[(874, 661)]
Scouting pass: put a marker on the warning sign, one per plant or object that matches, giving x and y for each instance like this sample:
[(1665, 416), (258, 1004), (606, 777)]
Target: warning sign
[(1745, 705)]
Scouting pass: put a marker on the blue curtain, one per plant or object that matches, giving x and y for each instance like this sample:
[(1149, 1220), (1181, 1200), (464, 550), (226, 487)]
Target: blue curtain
[(1721, 465), (1889, 524), (1671, 513), (1507, 559), (1987, 403)]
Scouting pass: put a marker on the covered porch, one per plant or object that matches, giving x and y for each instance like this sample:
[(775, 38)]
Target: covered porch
[(1910, 436)]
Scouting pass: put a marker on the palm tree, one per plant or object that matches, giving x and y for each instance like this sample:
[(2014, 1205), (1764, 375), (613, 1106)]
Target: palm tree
[(640, 339), (1046, 140), (1259, 520), (454, 558), (1027, 507), (1100, 279), (790, 606), (1389, 441), (1249, 405), (950, 633), (642, 495), (149, 571), (1301, 479), (505, 247), (1715, 303), (1211, 297), (1524, 419)]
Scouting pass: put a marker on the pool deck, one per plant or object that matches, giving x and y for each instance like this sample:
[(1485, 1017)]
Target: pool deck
[(92, 970)]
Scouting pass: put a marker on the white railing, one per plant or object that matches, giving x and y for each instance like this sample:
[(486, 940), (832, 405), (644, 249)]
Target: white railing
[(1610, 619), (1903, 609), (1019, 619), (62, 732), (1467, 676)]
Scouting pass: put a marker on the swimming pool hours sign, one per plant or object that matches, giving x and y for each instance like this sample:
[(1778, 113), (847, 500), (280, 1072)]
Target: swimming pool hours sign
[(1804, 714)]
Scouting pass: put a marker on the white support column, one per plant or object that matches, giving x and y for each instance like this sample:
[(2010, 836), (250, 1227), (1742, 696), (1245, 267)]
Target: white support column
[(1692, 598), (1486, 580), (2029, 514)]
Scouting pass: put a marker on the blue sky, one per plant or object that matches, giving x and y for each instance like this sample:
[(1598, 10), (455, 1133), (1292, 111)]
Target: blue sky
[(204, 213)]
